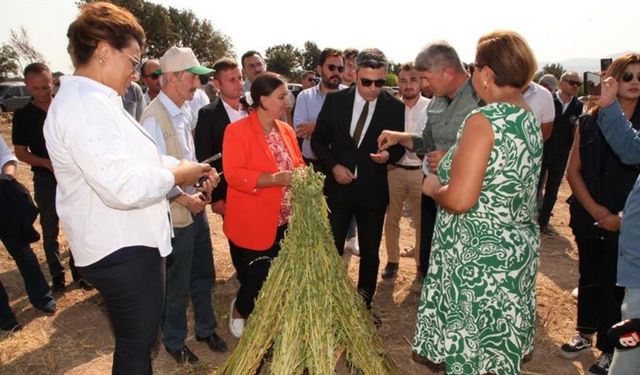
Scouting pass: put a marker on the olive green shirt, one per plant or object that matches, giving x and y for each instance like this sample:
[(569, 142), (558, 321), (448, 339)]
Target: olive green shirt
[(445, 117)]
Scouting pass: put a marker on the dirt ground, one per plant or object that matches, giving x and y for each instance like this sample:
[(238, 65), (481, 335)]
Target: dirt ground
[(78, 340)]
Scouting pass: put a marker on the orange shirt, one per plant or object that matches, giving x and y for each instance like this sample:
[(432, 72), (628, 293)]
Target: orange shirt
[(251, 213)]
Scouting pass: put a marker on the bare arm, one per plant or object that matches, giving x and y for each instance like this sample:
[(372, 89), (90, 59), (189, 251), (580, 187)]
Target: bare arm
[(468, 167), (24, 155)]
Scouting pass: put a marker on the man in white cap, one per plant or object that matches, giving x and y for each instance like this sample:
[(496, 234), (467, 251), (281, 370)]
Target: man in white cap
[(190, 270)]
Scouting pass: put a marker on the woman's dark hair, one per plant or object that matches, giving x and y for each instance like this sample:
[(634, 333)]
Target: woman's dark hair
[(101, 21), (263, 85)]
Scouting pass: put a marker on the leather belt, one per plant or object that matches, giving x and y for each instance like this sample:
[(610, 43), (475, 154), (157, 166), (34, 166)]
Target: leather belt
[(407, 167)]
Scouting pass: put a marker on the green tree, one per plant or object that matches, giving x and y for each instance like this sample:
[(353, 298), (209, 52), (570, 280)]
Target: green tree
[(392, 79), (310, 55), (283, 59), (556, 69), (167, 27), (8, 62)]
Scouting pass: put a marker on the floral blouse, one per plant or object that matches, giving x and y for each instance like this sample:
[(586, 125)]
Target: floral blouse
[(284, 163)]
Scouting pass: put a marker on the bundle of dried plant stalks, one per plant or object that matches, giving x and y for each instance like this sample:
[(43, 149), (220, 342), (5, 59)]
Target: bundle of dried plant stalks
[(308, 311)]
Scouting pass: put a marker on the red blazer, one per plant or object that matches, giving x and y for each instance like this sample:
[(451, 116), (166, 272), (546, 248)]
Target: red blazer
[(251, 214)]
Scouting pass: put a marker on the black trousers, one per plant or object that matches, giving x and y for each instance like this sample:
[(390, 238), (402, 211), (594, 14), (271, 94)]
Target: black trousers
[(551, 174), (427, 224), (131, 281), (370, 221), (44, 193), (236, 260), (599, 299), (256, 268)]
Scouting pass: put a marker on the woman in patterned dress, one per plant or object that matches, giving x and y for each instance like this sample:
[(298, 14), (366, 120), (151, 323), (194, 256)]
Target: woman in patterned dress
[(477, 310)]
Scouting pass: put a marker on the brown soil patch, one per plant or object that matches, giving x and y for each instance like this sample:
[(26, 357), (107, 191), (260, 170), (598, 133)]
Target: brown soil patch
[(78, 340)]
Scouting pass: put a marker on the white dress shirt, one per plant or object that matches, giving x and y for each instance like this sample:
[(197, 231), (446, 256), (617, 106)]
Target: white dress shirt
[(540, 101), (112, 180), (200, 99), (358, 104), (234, 114), (415, 118)]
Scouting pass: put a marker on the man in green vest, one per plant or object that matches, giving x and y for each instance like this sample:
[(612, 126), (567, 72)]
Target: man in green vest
[(190, 271)]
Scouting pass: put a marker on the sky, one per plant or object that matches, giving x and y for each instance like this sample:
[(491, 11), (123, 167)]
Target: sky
[(556, 30)]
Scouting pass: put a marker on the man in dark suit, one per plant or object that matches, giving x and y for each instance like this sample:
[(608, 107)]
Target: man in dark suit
[(557, 147), (345, 142), (212, 122)]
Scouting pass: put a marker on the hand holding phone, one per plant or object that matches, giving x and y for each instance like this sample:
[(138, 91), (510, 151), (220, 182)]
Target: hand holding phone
[(592, 83)]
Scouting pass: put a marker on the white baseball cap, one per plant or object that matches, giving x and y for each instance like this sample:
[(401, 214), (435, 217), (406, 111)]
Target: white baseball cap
[(178, 59)]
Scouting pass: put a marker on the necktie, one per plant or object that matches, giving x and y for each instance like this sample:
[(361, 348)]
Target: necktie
[(360, 124)]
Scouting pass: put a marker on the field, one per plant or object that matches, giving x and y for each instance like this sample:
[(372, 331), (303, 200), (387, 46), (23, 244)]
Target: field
[(78, 340)]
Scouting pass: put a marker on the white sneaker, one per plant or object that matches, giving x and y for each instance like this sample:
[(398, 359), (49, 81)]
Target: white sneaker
[(574, 293), (236, 325), (352, 244)]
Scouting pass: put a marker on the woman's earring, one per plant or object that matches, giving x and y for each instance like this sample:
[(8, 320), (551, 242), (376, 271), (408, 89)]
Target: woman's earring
[(485, 85)]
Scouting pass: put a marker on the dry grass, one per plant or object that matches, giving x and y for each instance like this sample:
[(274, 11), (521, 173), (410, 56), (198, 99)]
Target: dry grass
[(77, 339)]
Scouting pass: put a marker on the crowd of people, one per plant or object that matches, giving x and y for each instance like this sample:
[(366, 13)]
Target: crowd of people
[(478, 151)]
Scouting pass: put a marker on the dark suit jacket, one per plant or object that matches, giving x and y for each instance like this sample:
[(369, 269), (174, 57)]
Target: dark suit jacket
[(212, 121), (332, 143)]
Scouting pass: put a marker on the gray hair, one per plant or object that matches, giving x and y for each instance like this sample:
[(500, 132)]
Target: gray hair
[(437, 56), (549, 81)]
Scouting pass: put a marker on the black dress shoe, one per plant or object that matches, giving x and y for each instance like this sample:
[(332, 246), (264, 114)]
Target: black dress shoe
[(11, 327), (390, 271), (183, 355), (215, 343), (82, 283), (49, 308), (58, 286)]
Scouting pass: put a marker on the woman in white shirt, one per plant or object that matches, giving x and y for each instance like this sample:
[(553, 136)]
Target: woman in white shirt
[(112, 181)]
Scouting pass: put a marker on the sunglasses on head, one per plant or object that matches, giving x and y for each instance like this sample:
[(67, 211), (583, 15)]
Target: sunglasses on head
[(628, 77), (572, 82), (333, 67), (368, 82)]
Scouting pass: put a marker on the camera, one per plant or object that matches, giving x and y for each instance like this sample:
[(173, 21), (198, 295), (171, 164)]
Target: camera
[(592, 83)]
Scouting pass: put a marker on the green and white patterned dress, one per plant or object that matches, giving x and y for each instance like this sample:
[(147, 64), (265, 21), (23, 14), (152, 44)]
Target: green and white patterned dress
[(477, 310)]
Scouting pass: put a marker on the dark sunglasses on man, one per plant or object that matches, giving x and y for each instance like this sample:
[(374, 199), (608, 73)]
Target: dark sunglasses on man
[(333, 67), (368, 82), (572, 82)]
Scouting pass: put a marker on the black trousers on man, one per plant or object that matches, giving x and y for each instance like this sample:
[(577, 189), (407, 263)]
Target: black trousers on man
[(44, 193), (370, 220), (131, 281), (551, 173), (427, 225)]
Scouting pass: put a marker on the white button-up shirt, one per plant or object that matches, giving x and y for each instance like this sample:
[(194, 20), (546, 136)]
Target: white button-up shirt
[(112, 179)]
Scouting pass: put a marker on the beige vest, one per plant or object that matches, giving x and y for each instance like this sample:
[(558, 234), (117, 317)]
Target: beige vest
[(180, 215)]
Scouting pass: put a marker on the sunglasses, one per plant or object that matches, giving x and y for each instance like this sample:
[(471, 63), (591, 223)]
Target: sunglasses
[(628, 77), (153, 76), (368, 82), (572, 82), (333, 67)]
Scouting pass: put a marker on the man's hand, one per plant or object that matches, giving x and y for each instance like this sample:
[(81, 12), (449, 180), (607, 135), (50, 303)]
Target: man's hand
[(433, 159), (305, 130), (380, 157), (430, 185), (389, 138), (342, 174), (610, 223), (195, 203)]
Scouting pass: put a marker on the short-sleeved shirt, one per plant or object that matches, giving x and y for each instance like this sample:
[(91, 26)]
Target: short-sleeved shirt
[(28, 122)]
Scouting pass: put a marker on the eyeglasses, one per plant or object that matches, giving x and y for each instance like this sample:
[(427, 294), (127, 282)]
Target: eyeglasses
[(368, 82), (153, 76), (572, 82), (628, 77), (333, 67), (136, 63)]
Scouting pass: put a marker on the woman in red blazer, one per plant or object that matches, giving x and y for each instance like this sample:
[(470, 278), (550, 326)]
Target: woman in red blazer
[(259, 154)]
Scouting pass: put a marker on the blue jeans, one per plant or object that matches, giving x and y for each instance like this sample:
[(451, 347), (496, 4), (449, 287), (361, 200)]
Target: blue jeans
[(627, 361), (190, 273)]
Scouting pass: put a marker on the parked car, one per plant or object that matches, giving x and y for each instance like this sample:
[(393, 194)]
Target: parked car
[(13, 95), (294, 88)]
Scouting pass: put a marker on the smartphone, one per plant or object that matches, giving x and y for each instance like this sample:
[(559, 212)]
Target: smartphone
[(592, 83), (604, 64)]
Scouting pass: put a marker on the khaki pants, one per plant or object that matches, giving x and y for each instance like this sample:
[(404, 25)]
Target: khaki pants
[(403, 184)]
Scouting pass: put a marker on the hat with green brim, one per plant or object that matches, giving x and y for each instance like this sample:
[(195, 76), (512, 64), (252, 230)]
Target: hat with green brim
[(178, 59)]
